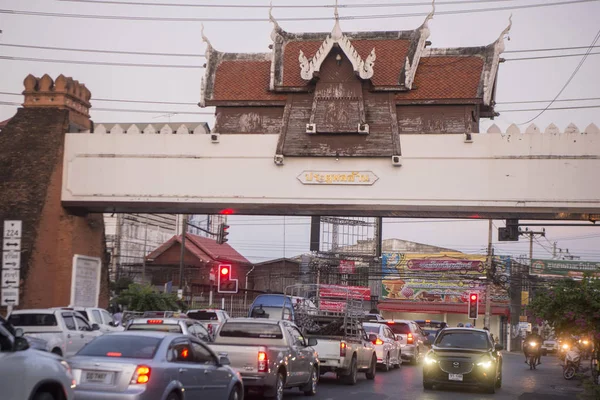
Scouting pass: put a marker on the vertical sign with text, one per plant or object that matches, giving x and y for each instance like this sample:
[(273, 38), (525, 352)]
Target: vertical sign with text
[(11, 263)]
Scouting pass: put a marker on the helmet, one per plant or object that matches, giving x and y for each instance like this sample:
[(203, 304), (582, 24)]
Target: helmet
[(460, 325)]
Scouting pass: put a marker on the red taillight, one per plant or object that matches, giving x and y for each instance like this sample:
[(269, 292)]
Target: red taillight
[(263, 361), (155, 321), (377, 341), (141, 375), (210, 329), (113, 354), (409, 338), (343, 349)]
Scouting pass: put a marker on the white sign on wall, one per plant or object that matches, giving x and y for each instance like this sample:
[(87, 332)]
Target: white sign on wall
[(11, 263), (85, 281)]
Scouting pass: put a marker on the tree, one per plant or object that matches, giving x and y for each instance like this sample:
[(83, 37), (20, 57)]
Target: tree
[(146, 298)]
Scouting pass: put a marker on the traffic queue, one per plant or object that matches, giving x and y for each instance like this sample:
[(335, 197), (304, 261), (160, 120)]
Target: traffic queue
[(285, 342)]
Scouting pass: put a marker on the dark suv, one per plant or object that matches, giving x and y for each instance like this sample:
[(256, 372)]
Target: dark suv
[(463, 357)]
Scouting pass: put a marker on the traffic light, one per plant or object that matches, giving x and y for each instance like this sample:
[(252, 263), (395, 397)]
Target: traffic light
[(510, 233), (222, 234), (225, 284), (473, 305)]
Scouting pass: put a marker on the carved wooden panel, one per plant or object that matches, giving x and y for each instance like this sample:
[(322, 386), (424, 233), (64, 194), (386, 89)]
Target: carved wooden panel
[(338, 100), (436, 118), (249, 120)]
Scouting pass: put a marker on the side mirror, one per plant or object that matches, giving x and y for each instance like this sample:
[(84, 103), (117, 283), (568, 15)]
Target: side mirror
[(111, 323), (21, 344), (19, 333), (372, 337), (224, 360), (95, 327), (498, 347), (312, 342)]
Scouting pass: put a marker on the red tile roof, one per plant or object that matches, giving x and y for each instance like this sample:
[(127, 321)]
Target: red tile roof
[(205, 249), (390, 53), (4, 123), (446, 77), (435, 308), (237, 80)]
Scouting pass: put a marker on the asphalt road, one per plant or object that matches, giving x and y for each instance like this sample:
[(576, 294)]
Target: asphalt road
[(545, 383)]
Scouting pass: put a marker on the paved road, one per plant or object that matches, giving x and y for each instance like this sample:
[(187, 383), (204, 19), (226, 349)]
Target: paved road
[(545, 383)]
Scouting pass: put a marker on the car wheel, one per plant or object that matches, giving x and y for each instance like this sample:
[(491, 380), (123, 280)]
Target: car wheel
[(310, 389), (386, 366), (398, 360), (351, 378), (43, 396), (57, 351), (173, 396), (370, 374), (235, 393), (427, 385)]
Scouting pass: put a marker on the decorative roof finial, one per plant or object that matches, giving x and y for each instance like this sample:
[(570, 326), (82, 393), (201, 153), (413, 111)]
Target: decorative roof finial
[(337, 33), (430, 15), (204, 38), (271, 18), (507, 29)]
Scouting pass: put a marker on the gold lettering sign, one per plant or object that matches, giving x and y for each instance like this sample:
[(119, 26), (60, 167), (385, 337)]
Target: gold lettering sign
[(337, 178)]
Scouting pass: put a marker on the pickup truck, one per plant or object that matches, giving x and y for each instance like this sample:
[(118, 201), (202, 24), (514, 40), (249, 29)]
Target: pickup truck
[(65, 331), (211, 319), (270, 355), (343, 347), (98, 316)]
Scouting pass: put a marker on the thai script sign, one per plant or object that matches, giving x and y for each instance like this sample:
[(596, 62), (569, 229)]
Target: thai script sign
[(345, 292), (564, 268), (337, 178)]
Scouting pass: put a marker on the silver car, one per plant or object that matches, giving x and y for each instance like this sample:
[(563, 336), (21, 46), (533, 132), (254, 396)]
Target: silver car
[(26, 373), (152, 366), (187, 326)]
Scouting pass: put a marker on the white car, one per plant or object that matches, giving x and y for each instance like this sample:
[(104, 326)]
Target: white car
[(26, 373), (387, 346), (98, 316)]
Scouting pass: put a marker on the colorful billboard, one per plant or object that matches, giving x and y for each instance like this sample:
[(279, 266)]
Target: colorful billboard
[(439, 277), (572, 269)]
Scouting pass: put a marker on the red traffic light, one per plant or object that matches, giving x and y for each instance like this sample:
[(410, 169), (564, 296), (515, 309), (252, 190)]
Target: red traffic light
[(224, 270), (473, 297)]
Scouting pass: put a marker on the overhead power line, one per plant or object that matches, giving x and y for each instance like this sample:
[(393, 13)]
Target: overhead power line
[(265, 19), (581, 62), (551, 56), (113, 64), (549, 109), (548, 49), (545, 101), (264, 6)]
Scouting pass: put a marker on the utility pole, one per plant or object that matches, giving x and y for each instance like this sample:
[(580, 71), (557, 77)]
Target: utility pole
[(144, 252), (182, 254), (488, 283), (554, 250)]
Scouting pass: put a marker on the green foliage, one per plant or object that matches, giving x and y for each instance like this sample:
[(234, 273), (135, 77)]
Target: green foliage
[(570, 307), (120, 285), (146, 298)]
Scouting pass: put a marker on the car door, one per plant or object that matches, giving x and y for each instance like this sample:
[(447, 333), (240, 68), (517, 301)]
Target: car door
[(365, 351), (12, 367), (421, 335), (85, 329), (304, 354), (295, 361), (217, 378), (186, 370), (75, 340), (394, 345)]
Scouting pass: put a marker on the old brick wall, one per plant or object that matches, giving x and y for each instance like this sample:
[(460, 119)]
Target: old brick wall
[(31, 156)]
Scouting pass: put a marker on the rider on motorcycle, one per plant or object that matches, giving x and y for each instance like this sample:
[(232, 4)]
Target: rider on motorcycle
[(533, 337)]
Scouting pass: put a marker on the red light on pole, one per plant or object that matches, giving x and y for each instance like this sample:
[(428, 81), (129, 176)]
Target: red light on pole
[(224, 271), (473, 297), (227, 211)]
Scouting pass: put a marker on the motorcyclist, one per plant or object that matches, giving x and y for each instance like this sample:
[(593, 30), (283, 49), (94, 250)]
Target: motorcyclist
[(533, 337)]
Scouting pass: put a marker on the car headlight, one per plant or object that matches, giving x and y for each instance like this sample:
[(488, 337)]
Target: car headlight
[(430, 360), (533, 344), (485, 363), (565, 346)]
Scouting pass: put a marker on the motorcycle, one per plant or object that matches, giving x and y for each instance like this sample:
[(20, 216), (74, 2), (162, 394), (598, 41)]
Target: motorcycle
[(532, 350), (572, 364)]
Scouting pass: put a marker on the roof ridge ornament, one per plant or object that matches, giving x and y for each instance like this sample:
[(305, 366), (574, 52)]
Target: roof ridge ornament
[(276, 28), (424, 32), (208, 56), (490, 76), (363, 68)]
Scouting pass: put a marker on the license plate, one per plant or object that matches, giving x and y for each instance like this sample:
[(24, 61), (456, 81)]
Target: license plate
[(99, 377), (455, 377)]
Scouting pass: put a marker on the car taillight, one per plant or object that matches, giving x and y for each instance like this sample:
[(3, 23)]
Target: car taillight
[(377, 341), (343, 349), (210, 329), (155, 321), (141, 375), (409, 338), (263, 361)]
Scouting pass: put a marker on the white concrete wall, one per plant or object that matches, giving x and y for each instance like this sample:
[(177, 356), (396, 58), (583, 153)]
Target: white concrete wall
[(529, 172)]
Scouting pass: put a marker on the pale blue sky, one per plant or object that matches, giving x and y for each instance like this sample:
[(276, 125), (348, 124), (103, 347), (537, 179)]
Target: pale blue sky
[(535, 28)]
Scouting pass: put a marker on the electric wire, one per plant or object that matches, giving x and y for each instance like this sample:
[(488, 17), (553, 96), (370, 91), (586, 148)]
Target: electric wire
[(264, 19)]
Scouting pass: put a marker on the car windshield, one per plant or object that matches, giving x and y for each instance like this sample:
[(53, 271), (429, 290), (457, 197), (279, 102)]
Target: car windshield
[(463, 340), (371, 329), (432, 325), (399, 328), (32, 320), (203, 315), (123, 346), (251, 330), (173, 328)]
